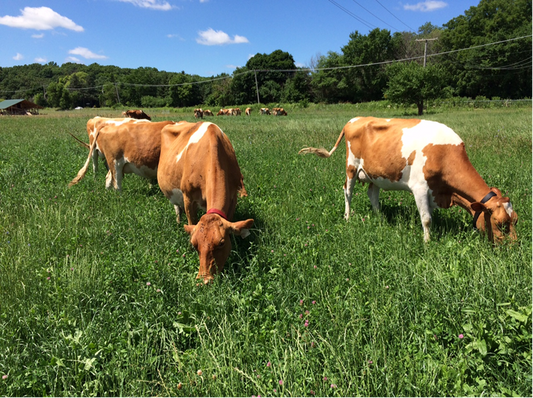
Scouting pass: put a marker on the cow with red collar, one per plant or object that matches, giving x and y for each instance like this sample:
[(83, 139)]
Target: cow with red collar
[(128, 147), (198, 169), (426, 158)]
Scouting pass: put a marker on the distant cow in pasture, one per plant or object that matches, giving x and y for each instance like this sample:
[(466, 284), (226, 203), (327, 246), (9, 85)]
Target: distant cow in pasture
[(128, 148), (198, 113), (207, 112), (224, 112), (264, 111), (248, 111), (279, 112), (198, 169), (236, 112), (136, 114), (426, 158)]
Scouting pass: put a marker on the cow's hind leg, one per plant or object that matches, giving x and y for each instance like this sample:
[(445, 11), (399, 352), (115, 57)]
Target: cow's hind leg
[(178, 213), (348, 190), (95, 161)]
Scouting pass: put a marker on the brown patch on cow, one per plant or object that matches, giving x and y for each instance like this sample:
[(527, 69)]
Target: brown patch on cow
[(350, 172), (411, 158), (379, 144)]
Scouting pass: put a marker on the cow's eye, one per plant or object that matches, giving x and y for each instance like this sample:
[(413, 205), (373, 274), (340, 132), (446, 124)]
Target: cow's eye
[(221, 243)]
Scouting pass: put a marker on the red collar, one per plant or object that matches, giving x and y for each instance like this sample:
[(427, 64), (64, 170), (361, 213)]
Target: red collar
[(219, 212)]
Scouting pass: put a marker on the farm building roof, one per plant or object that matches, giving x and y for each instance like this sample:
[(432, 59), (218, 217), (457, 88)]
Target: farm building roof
[(22, 103), (19, 107)]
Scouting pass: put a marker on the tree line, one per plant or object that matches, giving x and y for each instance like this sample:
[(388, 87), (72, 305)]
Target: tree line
[(485, 52)]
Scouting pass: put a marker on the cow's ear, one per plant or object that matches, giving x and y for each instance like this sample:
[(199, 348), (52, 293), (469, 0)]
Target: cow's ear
[(241, 227), (189, 228), (477, 206)]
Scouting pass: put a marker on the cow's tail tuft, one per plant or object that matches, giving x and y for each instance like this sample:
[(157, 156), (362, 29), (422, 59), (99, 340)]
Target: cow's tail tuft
[(83, 170), (322, 152)]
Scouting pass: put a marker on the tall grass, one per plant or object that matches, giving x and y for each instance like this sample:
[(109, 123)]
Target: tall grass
[(98, 293)]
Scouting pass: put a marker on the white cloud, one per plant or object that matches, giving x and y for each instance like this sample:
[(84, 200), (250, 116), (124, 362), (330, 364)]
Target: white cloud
[(74, 60), (175, 36), (86, 53), (426, 6), (38, 36), (18, 57), (39, 18), (152, 4), (40, 60), (212, 37)]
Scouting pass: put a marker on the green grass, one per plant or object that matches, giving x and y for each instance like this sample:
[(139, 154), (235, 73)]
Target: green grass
[(98, 293)]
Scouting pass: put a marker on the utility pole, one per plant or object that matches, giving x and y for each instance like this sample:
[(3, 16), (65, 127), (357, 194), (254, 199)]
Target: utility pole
[(426, 47)]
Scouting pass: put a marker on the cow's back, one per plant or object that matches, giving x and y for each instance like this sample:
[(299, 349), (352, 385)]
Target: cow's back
[(195, 157), (137, 142)]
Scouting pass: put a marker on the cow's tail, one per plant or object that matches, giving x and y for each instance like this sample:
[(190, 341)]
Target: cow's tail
[(322, 152), (83, 170), (84, 144)]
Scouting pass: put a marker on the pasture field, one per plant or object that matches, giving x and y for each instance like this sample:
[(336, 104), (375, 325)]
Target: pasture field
[(98, 294)]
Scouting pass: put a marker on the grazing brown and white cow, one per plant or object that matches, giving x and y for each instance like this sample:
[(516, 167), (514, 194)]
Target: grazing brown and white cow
[(248, 111), (198, 113), (136, 114), (264, 111), (426, 158), (94, 125), (279, 112), (132, 147), (207, 112), (198, 169), (224, 112), (236, 112)]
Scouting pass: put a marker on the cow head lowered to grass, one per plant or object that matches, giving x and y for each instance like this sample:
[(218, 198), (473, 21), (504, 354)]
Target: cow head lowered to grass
[(426, 158), (198, 169)]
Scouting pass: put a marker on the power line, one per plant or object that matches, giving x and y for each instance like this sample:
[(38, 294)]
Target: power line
[(375, 16), (351, 14), (411, 29)]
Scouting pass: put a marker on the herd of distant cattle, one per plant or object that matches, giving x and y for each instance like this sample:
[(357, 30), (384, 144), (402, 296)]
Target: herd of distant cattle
[(196, 168), (199, 113)]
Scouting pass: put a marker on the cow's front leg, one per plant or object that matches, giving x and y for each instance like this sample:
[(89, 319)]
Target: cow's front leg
[(191, 210), (348, 190), (425, 210)]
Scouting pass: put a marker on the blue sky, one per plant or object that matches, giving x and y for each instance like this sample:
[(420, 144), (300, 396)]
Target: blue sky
[(203, 37)]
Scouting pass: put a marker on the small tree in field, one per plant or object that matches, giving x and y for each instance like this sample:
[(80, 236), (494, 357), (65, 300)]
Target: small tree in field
[(412, 83)]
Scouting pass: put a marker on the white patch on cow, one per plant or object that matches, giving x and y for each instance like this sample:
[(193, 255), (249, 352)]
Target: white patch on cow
[(427, 132), (197, 136), (355, 119), (142, 171), (508, 208), (176, 198)]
